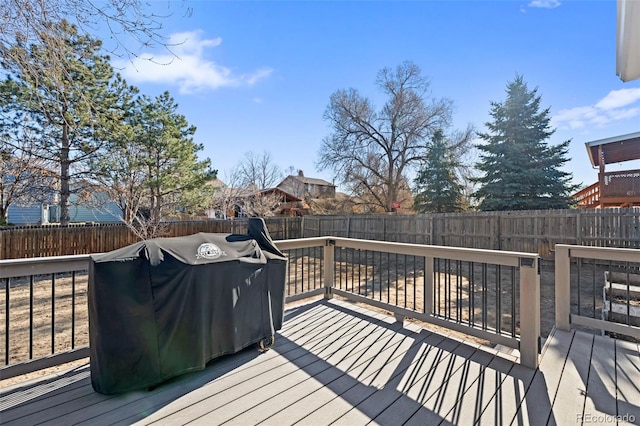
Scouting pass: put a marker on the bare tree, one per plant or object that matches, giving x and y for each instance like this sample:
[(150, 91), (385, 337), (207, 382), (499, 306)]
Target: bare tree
[(262, 204), (26, 175), (236, 194), (371, 151), (258, 171), (25, 178), (228, 194), (27, 22)]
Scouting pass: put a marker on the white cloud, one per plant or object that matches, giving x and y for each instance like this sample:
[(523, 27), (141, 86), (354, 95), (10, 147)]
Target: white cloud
[(545, 4), (617, 105), (188, 67), (619, 98)]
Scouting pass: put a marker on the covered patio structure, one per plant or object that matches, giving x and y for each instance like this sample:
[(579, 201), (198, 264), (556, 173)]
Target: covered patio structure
[(613, 189)]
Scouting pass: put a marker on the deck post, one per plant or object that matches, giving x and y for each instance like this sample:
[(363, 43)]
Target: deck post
[(428, 285), (329, 267), (529, 312), (562, 285)]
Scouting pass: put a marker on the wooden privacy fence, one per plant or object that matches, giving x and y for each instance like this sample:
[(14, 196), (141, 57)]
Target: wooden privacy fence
[(52, 240), (525, 231)]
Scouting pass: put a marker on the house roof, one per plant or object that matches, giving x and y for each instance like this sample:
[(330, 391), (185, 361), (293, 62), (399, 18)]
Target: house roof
[(217, 183), (250, 192), (312, 181), (615, 149), (287, 197)]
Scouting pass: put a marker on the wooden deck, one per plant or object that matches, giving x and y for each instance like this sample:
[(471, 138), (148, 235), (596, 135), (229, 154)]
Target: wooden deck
[(334, 362)]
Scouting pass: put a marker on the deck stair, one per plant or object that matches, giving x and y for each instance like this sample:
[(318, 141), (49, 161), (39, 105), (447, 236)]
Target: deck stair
[(621, 297)]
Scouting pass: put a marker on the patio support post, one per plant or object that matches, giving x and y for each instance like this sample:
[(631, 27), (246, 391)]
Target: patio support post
[(562, 285), (329, 267), (529, 312)]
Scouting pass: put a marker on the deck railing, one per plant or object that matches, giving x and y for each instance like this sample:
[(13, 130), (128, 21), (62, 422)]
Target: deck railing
[(493, 295), (624, 183), (612, 187), (598, 288)]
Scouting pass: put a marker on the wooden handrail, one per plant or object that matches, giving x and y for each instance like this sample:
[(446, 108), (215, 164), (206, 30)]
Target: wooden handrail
[(526, 263)]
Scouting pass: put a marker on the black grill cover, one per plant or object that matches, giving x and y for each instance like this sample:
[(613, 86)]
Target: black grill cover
[(166, 306)]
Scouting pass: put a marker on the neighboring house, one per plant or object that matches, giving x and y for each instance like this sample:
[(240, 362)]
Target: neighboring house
[(34, 214), (305, 187), (43, 213), (246, 202)]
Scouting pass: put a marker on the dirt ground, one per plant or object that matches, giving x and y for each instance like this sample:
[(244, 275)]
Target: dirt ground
[(463, 293)]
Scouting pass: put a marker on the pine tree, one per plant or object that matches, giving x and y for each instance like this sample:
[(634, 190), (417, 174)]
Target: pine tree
[(71, 109), (175, 179), (437, 187), (151, 168), (521, 171)]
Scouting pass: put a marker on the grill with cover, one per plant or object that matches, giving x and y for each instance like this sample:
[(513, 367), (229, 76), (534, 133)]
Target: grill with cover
[(167, 306)]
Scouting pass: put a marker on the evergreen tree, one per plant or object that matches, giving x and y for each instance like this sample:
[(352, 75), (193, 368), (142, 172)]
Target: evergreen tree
[(120, 170), (521, 171), (151, 168), (437, 187), (175, 179), (71, 109)]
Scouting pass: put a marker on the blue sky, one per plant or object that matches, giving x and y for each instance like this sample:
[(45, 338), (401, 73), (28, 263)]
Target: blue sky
[(257, 75)]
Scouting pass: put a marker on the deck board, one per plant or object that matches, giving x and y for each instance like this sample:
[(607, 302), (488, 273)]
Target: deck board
[(536, 391), (628, 379), (572, 389), (335, 362), (601, 386)]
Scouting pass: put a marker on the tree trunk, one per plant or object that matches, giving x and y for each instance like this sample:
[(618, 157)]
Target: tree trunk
[(65, 190), (3, 210)]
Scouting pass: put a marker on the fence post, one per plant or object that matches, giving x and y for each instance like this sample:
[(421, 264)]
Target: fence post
[(562, 285), (329, 267), (432, 230), (529, 311), (578, 228)]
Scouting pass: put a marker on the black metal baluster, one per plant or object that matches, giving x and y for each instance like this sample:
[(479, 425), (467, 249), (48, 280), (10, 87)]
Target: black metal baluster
[(302, 270), (472, 294), (579, 266), (458, 291), (359, 271), (388, 278), (593, 284), (396, 269), (626, 264), (366, 274), (31, 317), (484, 295), (513, 301), (53, 313), (73, 309), (438, 284), (7, 282), (499, 299)]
